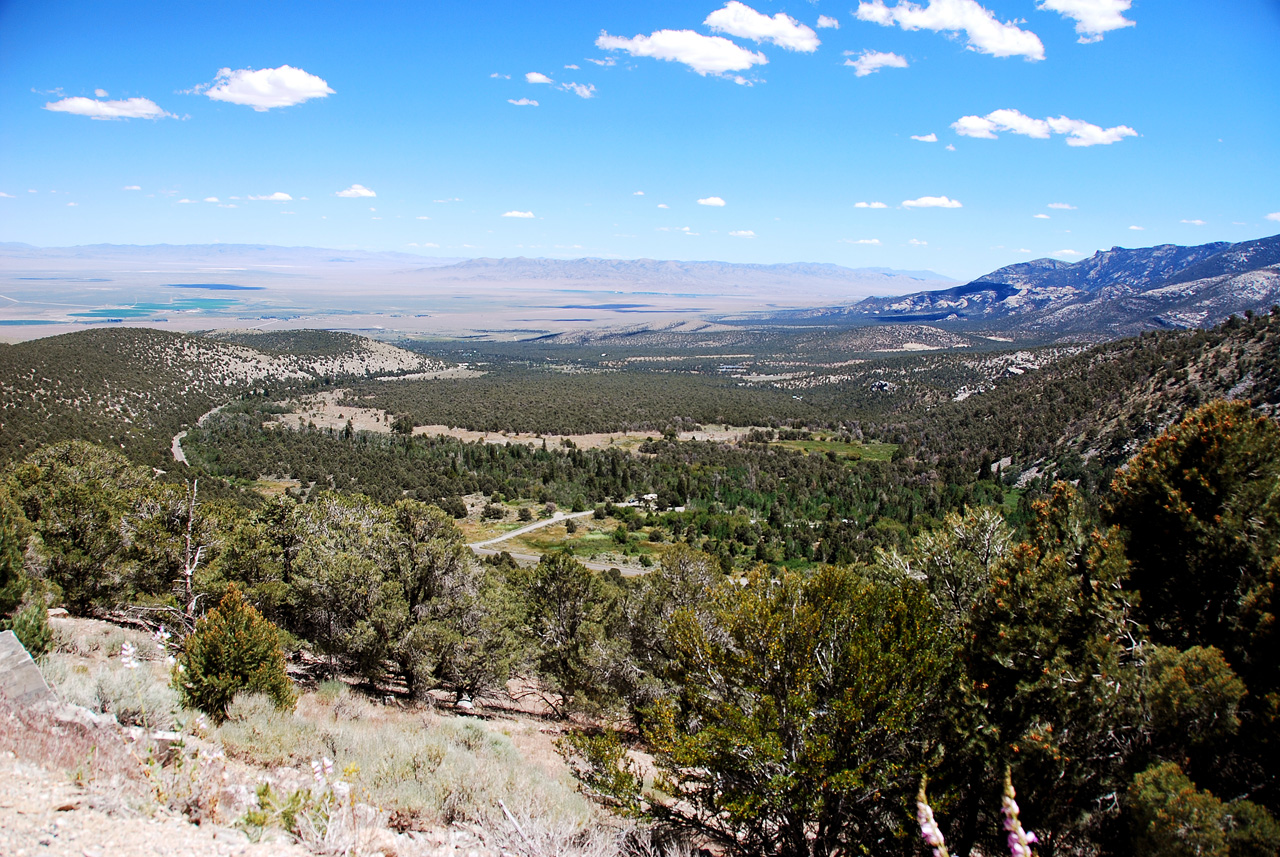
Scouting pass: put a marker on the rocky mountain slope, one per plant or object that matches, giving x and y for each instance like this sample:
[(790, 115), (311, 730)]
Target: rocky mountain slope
[(135, 387), (1116, 292)]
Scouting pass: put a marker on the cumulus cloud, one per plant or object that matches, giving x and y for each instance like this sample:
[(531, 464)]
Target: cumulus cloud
[(210, 199), (985, 33), (870, 62), (1275, 215), (7, 195), (663, 205), (869, 205), (278, 196), (874, 242), (638, 193), (925, 138), (704, 54), (826, 22), (265, 88), (739, 19), (714, 201), (1062, 206), (1193, 222), (132, 187), (522, 102), (582, 90), (1143, 228), (1066, 253), (521, 214), (743, 233), (916, 242), (950, 148), (1040, 216), (355, 191), (1093, 17), (1078, 132), (72, 204), (101, 93), (186, 201), (128, 108), (607, 61), (932, 202), (537, 77), (574, 67)]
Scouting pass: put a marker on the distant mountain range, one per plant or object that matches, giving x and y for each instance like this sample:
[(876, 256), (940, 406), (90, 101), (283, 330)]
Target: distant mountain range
[(1116, 292)]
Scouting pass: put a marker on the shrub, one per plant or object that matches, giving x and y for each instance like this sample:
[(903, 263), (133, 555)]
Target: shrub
[(232, 649), (31, 626)]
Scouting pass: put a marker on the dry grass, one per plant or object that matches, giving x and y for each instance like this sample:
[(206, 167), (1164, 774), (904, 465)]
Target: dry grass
[(425, 769)]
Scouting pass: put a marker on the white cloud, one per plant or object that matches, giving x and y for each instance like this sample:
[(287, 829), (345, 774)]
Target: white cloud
[(607, 61), (1022, 250), (1093, 17), (1079, 132), (986, 34), (932, 202), (278, 196), (582, 90), (704, 54), (638, 193), (521, 214), (356, 190), (870, 62), (522, 102), (72, 204), (714, 201), (265, 88), (572, 66), (1062, 206), (916, 242), (1066, 253), (681, 229), (1040, 216), (101, 93), (455, 199), (950, 148), (131, 187), (7, 195), (663, 205), (497, 75), (826, 22), (1193, 222), (743, 233), (926, 138), (869, 205), (1144, 229), (129, 108), (1275, 215), (228, 205), (739, 19), (537, 77), (210, 199), (423, 217), (186, 201), (874, 242)]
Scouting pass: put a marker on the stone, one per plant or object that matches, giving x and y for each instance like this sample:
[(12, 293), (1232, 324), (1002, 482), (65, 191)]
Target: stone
[(20, 678)]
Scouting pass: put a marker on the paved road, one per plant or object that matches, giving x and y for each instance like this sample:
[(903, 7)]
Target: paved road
[(536, 525), (485, 548)]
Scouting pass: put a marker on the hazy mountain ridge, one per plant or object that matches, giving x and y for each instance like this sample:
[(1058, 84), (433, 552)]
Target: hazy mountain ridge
[(1115, 292)]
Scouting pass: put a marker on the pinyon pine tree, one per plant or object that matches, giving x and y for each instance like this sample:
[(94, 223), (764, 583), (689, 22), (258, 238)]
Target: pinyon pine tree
[(232, 649)]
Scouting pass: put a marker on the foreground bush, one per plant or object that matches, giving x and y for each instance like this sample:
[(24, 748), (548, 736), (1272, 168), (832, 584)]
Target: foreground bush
[(232, 649)]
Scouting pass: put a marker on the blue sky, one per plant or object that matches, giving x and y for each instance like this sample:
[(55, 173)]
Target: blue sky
[(1060, 126)]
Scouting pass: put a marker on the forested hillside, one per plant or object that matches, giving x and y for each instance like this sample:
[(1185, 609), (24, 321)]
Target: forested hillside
[(136, 388)]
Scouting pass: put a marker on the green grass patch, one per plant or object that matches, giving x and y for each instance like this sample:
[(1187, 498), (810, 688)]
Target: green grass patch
[(855, 451)]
